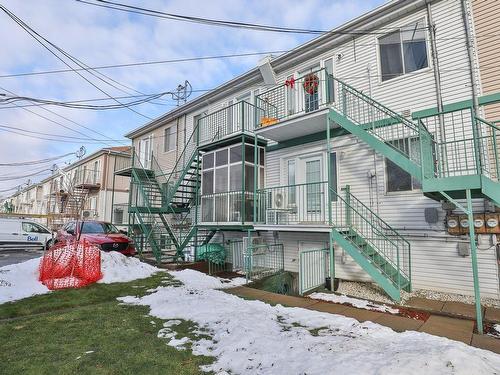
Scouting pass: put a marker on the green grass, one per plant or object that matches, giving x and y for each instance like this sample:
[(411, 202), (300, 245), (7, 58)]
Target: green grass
[(49, 334)]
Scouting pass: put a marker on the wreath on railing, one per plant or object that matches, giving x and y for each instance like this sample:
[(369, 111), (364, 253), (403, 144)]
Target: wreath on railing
[(311, 83)]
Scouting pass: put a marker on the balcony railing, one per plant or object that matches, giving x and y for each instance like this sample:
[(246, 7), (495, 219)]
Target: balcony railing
[(303, 95), (87, 177), (120, 214), (293, 204), (228, 207), (231, 120)]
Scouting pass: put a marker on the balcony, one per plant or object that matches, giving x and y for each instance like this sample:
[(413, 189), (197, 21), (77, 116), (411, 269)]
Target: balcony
[(233, 120), (297, 107), (87, 178), (301, 206)]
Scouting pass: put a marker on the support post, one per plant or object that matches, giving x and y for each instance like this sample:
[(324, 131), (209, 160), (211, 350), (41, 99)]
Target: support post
[(243, 177), (348, 205), (473, 251), (256, 174)]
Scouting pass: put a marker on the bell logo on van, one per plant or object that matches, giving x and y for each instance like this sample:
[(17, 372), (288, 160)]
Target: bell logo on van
[(32, 238)]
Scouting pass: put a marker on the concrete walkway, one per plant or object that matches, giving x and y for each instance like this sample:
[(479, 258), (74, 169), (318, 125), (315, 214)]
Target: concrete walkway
[(455, 328)]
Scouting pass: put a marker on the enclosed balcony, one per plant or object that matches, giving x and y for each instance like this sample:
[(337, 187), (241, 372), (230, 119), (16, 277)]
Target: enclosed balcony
[(297, 107), (228, 123)]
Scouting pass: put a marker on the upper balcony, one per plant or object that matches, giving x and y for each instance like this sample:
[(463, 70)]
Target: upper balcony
[(87, 178), (228, 122), (297, 107)]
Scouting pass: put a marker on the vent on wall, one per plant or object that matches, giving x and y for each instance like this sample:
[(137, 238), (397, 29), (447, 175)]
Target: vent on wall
[(406, 112)]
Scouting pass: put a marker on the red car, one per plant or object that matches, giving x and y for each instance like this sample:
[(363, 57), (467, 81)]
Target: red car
[(100, 233)]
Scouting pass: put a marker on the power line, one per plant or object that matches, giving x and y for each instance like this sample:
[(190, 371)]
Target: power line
[(2, 127), (65, 118), (10, 178), (144, 99), (186, 59), (216, 22), (35, 162), (40, 39)]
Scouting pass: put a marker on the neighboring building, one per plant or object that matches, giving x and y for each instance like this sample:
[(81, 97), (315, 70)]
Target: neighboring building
[(346, 165), (85, 189)]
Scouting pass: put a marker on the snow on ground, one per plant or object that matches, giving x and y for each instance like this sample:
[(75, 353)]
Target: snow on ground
[(251, 337), (359, 303), (20, 280), (117, 268)]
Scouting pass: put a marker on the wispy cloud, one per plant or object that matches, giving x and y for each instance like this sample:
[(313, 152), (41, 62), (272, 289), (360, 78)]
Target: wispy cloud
[(102, 36)]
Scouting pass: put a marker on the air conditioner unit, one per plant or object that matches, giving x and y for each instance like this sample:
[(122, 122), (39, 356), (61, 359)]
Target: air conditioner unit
[(87, 214), (278, 200)]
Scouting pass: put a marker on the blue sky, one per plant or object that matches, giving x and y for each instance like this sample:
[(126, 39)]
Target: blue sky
[(99, 36)]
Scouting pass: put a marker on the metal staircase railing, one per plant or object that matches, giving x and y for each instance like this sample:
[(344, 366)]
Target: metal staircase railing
[(148, 221), (387, 250)]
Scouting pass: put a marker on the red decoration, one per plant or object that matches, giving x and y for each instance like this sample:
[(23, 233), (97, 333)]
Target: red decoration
[(311, 83), (290, 82)]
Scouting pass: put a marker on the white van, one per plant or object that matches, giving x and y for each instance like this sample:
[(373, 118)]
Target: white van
[(22, 232)]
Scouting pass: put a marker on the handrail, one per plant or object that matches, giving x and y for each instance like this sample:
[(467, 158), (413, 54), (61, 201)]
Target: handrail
[(384, 237)]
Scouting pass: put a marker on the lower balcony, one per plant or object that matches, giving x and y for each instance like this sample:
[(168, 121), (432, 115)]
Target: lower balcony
[(234, 208), (299, 207)]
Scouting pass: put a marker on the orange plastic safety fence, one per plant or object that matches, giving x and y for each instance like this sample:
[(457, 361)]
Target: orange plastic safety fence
[(71, 265)]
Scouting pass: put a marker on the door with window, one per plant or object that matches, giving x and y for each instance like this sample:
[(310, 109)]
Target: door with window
[(145, 148), (311, 189), (309, 88)]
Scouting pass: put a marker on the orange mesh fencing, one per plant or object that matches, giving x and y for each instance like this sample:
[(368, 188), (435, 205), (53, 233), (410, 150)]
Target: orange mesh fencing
[(71, 265)]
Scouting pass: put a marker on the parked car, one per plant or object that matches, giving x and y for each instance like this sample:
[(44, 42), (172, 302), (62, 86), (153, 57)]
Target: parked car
[(100, 233), (24, 232)]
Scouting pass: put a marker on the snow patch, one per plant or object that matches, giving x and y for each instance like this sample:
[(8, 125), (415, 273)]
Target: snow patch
[(356, 302), (20, 280), (117, 268), (252, 337), (201, 281)]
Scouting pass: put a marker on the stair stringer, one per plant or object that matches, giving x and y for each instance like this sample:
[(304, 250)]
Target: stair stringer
[(367, 266)]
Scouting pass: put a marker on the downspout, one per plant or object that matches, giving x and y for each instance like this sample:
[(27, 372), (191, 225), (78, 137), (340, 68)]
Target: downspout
[(435, 66), (470, 54)]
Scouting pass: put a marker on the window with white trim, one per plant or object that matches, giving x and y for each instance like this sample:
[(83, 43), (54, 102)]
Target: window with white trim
[(170, 138), (403, 51), (398, 179)]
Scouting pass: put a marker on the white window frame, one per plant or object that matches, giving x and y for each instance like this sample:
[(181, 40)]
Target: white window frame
[(167, 135), (427, 50)]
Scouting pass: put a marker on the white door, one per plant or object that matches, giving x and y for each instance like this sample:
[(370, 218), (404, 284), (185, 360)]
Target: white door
[(311, 190), (145, 152)]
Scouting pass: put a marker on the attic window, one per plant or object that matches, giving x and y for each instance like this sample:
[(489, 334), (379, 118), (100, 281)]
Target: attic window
[(403, 51)]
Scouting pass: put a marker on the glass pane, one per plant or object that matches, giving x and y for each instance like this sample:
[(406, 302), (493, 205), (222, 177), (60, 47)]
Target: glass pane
[(262, 176), (221, 207), (249, 153), (291, 181), (261, 160), (391, 62), (207, 209), (249, 177), (333, 173), (235, 154), (235, 182), (221, 180), (208, 161), (397, 178), (221, 157), (313, 175), (235, 207), (207, 180)]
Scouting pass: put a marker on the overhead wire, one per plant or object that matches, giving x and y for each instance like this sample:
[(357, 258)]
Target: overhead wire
[(35, 162)]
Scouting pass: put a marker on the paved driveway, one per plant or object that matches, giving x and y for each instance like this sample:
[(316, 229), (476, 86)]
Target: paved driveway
[(17, 256)]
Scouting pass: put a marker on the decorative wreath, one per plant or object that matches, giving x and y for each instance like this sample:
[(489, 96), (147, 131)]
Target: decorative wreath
[(311, 83)]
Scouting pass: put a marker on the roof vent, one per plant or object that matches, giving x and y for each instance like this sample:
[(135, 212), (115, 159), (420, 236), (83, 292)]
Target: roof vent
[(267, 71)]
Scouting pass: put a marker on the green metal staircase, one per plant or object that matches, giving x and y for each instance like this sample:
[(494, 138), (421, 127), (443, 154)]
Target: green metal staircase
[(379, 249), (457, 150), (456, 155), (166, 205)]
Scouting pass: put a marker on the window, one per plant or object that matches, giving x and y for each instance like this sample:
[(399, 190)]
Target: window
[(291, 181), (222, 183), (333, 174), (397, 178), (403, 51), (170, 141)]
